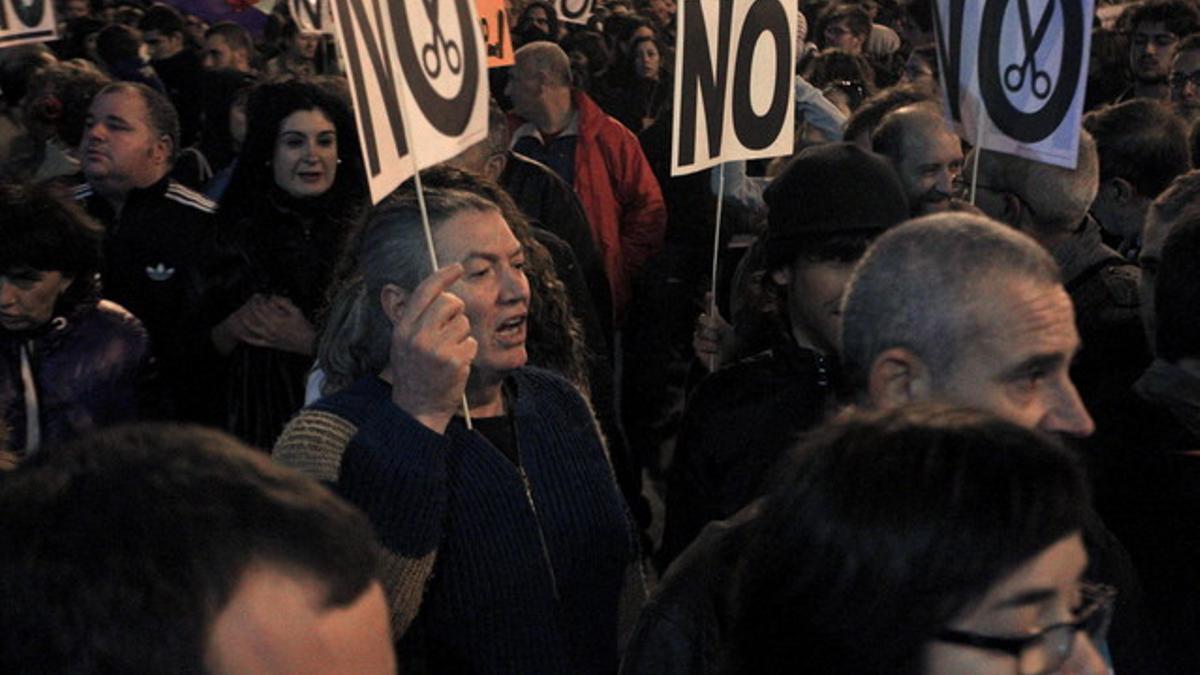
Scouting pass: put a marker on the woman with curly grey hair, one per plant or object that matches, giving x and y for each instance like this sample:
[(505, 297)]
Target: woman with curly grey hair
[(506, 538)]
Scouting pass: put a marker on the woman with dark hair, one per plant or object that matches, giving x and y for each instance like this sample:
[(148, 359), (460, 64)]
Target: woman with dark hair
[(69, 362), (297, 190), (641, 89), (507, 542), (924, 541)]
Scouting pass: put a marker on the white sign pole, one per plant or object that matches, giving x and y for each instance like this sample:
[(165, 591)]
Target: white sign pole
[(716, 256)]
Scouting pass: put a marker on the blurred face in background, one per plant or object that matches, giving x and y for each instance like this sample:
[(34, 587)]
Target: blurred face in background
[(1185, 84), (646, 60)]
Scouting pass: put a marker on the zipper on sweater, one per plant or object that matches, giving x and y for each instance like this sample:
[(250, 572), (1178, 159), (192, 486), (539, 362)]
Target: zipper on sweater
[(541, 533), (822, 371)]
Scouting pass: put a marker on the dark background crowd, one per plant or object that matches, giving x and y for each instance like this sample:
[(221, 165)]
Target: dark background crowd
[(571, 454)]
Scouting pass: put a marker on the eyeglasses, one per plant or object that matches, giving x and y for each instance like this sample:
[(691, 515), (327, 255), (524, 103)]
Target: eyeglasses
[(1180, 80), (1049, 648)]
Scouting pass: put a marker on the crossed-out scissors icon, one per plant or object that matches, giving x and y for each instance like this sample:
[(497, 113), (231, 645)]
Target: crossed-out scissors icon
[(1014, 75), (431, 53)]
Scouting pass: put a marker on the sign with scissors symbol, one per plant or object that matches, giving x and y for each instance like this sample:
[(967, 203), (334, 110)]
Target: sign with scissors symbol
[(1014, 75), (1014, 78), (431, 52)]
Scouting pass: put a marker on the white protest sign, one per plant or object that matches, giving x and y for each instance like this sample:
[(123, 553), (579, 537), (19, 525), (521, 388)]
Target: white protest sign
[(1017, 71), (25, 21), (575, 11), (313, 16), (420, 63), (734, 88)]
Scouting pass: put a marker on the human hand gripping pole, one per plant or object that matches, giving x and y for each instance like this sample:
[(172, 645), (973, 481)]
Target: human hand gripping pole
[(431, 351)]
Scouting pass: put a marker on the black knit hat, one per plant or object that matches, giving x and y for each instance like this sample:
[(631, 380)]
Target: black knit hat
[(831, 189)]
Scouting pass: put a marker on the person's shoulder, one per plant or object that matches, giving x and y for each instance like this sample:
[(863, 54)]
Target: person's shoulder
[(188, 198), (115, 318), (355, 401), (315, 440)]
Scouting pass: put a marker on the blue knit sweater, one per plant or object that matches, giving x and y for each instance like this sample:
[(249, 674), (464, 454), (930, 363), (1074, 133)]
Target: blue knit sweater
[(498, 579)]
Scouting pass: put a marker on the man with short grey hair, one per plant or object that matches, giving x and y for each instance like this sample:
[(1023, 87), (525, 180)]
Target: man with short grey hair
[(959, 308)]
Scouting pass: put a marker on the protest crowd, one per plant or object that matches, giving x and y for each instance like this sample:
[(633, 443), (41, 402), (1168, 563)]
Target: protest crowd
[(895, 402)]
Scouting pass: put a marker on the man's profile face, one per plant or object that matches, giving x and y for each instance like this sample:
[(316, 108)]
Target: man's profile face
[(162, 45), (1185, 92), (931, 162), (523, 89), (278, 623), (1151, 49), (120, 149), (219, 54), (1016, 360)]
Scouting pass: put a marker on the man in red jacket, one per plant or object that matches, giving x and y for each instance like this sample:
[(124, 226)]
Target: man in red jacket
[(594, 153)]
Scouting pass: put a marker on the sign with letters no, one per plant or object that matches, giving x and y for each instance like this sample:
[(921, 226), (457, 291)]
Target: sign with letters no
[(26, 21), (734, 88), (1016, 70), (420, 63)]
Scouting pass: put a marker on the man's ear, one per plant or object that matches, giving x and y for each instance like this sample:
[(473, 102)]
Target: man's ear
[(494, 166), (897, 376), (392, 299), (164, 149), (1120, 191)]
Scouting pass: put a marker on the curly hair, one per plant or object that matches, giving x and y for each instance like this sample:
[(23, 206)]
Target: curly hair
[(269, 105), (555, 335)]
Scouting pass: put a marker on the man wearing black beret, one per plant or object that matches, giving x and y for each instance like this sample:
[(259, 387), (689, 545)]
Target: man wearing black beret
[(823, 211)]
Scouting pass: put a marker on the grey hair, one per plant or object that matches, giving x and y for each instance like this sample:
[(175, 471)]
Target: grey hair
[(546, 59), (916, 288), (1059, 197), (356, 338)]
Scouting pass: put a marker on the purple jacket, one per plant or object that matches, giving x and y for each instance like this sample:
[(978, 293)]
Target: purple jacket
[(87, 367)]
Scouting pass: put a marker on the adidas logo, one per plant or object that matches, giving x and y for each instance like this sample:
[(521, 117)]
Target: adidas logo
[(160, 272)]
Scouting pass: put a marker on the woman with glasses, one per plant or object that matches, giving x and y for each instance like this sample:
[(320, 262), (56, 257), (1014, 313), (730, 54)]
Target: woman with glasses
[(931, 541)]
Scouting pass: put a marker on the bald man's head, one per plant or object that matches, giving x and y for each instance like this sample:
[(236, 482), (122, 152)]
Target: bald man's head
[(926, 153), (541, 70)]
